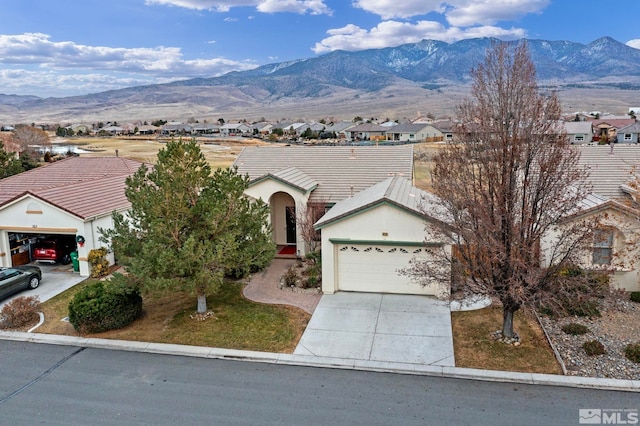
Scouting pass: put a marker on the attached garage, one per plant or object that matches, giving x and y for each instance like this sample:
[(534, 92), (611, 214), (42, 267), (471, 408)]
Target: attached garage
[(74, 198), (368, 238), (375, 267)]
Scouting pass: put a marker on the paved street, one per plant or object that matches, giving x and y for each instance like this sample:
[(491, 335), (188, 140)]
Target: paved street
[(75, 386)]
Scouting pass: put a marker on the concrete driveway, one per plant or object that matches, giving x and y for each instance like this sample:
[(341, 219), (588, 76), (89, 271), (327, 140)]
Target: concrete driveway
[(55, 280), (380, 327)]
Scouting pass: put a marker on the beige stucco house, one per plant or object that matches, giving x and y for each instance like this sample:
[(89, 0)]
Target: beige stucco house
[(373, 225), (74, 196)]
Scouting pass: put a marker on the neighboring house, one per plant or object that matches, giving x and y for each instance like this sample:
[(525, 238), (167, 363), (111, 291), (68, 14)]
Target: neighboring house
[(112, 130), (205, 129), (628, 134), (147, 129), (368, 238), (339, 128), (420, 132), (176, 129), (616, 242), (234, 129), (578, 132), (74, 196), (447, 128), (366, 132), (608, 127), (614, 201)]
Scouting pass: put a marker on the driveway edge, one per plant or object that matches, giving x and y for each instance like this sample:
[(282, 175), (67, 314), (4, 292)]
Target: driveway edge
[(326, 362)]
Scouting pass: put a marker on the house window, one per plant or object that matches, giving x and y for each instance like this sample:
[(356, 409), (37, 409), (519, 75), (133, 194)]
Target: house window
[(412, 136), (627, 137), (578, 138), (602, 247)]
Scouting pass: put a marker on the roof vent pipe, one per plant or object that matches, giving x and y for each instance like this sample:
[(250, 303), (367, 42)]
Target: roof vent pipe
[(353, 153), (351, 191)]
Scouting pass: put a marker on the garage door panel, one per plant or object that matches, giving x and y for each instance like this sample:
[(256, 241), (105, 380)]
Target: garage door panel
[(374, 268)]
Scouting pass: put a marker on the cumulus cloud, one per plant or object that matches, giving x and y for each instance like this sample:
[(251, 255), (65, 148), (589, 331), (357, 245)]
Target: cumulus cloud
[(457, 12), (34, 60), (635, 43), (395, 33), (313, 7)]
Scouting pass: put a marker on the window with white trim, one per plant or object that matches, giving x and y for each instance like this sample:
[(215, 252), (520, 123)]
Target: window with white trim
[(628, 136), (578, 138)]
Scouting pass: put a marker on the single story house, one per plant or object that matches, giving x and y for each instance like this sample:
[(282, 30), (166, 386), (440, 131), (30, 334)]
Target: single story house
[(629, 134), (578, 132), (420, 132), (366, 132), (74, 196), (371, 208)]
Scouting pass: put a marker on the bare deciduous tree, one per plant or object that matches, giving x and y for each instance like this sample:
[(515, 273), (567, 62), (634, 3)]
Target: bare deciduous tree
[(27, 136), (305, 220), (507, 184)]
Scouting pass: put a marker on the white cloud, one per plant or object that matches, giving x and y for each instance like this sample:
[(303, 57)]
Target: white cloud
[(33, 60), (313, 7), (461, 13), (388, 9), (635, 43), (395, 33), (473, 12)]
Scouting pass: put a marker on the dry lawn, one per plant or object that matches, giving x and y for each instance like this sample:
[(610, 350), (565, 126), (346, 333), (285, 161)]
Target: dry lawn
[(237, 322), (474, 348), (219, 153)]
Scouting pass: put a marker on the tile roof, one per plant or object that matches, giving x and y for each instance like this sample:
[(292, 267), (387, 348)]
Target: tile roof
[(395, 190), (295, 177), (339, 171), (610, 167), (82, 186)]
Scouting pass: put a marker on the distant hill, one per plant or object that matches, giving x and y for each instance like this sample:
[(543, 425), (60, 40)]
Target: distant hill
[(425, 76)]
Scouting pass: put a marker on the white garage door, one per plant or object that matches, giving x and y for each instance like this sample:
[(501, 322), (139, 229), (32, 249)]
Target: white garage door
[(374, 268)]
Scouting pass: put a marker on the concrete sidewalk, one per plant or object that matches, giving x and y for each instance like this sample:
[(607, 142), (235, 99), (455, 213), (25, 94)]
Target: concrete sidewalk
[(380, 327), (325, 362)]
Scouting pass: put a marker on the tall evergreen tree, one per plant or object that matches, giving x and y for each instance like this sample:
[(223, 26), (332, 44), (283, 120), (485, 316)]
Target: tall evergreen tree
[(187, 228)]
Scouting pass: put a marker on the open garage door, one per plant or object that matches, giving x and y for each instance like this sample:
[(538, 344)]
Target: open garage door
[(50, 247), (375, 268)]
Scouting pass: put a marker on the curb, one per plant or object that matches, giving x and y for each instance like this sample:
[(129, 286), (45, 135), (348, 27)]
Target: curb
[(325, 362)]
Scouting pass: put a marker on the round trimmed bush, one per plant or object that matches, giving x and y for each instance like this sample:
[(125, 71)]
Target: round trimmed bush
[(575, 329), (103, 306), (594, 347), (635, 296), (632, 352)]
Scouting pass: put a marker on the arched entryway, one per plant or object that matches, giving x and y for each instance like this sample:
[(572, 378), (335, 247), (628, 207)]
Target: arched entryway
[(283, 221)]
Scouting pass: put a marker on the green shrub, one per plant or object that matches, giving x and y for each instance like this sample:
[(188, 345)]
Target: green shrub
[(635, 296), (632, 352), (103, 306), (593, 347), (312, 281), (575, 329), (19, 312)]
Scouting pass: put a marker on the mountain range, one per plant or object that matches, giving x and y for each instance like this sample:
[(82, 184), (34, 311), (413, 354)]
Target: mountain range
[(398, 81)]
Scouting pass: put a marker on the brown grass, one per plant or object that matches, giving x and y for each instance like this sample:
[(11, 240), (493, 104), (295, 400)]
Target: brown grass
[(474, 347), (237, 322)]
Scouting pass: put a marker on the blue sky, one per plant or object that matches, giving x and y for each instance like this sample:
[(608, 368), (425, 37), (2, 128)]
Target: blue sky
[(71, 47)]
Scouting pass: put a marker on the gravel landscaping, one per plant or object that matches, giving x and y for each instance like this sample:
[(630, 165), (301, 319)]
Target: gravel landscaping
[(618, 326)]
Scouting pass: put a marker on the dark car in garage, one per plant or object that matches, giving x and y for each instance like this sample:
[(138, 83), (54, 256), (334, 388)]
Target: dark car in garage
[(18, 278), (54, 249)]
